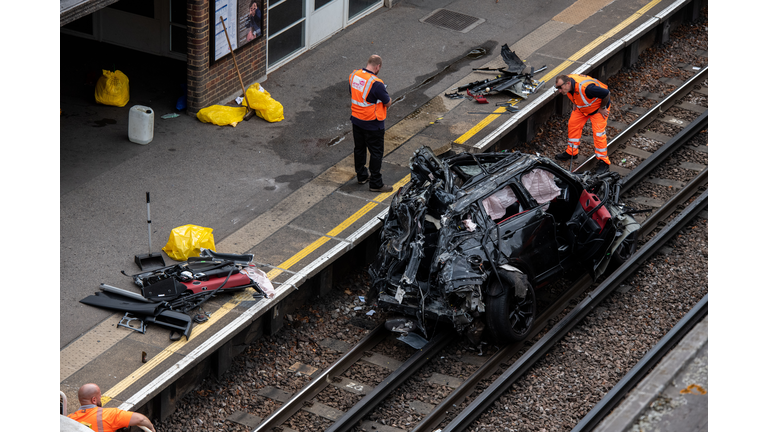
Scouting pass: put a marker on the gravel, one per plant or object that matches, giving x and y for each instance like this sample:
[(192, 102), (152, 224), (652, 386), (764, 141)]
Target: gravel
[(566, 383)]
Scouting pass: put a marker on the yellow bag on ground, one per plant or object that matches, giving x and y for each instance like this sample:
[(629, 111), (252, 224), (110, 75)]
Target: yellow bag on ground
[(187, 240), (261, 101), (221, 115), (112, 88)]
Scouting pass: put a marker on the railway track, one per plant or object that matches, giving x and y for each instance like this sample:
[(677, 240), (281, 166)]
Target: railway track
[(477, 391), (654, 227)]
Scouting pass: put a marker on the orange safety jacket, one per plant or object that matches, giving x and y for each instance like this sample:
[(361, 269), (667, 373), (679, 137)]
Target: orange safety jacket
[(102, 419), (361, 81), (579, 97)]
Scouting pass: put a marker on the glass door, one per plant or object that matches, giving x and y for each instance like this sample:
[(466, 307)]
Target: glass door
[(359, 7)]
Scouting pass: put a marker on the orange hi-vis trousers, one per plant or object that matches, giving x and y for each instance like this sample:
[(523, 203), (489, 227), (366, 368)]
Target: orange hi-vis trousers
[(576, 126)]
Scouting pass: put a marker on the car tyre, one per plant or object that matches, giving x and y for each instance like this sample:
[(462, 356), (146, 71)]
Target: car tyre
[(508, 317), (622, 253)]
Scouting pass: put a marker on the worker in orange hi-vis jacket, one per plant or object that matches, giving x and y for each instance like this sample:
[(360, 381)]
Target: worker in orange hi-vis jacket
[(591, 101), (101, 419)]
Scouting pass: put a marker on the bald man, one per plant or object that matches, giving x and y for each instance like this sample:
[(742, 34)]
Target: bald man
[(370, 101), (101, 419)]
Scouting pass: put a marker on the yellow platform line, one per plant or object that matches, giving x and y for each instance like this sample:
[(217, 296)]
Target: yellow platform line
[(335, 231), (224, 309), (562, 66), (478, 127), (243, 296), (167, 352)]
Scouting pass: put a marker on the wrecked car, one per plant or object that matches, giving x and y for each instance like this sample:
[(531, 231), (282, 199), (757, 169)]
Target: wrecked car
[(470, 236)]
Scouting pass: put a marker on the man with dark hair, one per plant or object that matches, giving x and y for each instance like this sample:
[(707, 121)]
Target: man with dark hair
[(101, 419), (254, 21), (370, 101), (591, 101)]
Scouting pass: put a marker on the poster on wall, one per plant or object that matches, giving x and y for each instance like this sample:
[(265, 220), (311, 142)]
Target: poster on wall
[(243, 20)]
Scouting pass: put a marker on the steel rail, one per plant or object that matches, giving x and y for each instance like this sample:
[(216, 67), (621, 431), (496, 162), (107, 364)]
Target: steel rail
[(649, 360), (432, 420), (524, 363), (656, 218), (648, 117), (392, 382), (654, 160), (288, 409)]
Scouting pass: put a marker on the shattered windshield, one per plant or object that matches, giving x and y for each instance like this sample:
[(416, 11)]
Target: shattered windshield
[(472, 170)]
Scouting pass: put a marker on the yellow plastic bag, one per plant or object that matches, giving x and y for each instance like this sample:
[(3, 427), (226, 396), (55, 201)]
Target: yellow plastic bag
[(261, 101), (112, 88), (221, 115), (187, 240)]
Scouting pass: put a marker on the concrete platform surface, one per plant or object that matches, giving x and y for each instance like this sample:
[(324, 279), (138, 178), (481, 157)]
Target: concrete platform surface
[(284, 191)]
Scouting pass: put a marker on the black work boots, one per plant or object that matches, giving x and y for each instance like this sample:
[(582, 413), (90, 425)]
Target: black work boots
[(564, 156)]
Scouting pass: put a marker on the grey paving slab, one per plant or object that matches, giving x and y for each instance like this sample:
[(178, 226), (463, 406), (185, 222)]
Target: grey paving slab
[(402, 155), (251, 182), (113, 366), (614, 14), (284, 244), (331, 212)]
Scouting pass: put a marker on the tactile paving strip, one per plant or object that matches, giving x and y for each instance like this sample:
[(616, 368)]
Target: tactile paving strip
[(581, 10), (80, 352), (538, 38)]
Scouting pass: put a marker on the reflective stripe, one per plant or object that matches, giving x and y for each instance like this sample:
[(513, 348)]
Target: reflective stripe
[(361, 82), (582, 87), (99, 421), (575, 146), (368, 85), (574, 139), (600, 134), (361, 104), (601, 152)]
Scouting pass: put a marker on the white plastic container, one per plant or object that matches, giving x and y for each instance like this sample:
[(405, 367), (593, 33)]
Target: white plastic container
[(141, 124)]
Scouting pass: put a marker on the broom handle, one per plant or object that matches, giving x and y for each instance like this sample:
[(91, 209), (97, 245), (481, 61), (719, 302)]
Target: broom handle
[(235, 60), (149, 226)]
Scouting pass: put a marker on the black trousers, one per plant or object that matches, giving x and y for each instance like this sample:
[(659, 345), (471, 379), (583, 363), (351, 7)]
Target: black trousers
[(371, 141)]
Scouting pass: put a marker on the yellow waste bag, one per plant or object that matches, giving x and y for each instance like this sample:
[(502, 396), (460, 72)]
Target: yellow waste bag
[(261, 101), (221, 115), (112, 88), (187, 240)]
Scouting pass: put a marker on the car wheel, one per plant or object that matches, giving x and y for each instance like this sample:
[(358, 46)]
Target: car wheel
[(622, 253), (509, 317)]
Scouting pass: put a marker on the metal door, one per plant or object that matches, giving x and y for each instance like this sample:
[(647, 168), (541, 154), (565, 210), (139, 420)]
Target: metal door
[(326, 18)]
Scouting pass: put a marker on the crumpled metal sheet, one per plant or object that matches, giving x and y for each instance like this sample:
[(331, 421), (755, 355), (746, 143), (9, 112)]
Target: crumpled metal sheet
[(514, 63)]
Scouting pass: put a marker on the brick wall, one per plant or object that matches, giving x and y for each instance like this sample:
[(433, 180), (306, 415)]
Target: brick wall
[(210, 83)]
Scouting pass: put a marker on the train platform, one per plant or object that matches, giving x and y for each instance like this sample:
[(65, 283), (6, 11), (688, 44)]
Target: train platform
[(285, 192), (673, 396)]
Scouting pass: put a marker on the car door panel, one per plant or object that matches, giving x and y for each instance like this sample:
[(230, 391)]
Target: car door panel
[(530, 237)]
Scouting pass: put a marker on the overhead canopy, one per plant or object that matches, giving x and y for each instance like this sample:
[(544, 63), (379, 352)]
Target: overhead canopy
[(72, 10)]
